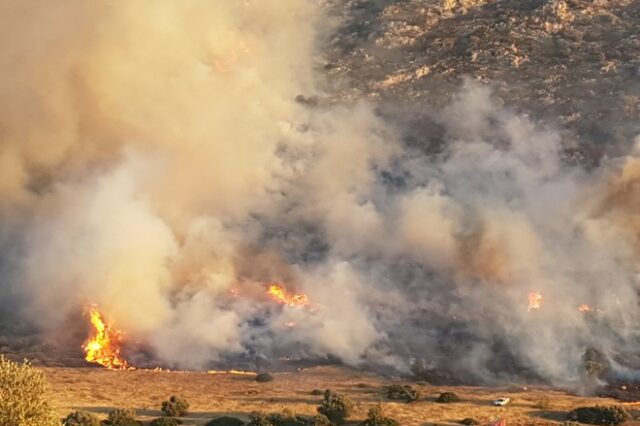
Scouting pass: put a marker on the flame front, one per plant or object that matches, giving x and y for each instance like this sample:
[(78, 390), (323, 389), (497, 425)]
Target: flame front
[(535, 301), (103, 345), (281, 295)]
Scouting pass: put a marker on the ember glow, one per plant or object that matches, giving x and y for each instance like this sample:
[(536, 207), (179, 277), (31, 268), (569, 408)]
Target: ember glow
[(103, 345), (281, 295), (535, 301)]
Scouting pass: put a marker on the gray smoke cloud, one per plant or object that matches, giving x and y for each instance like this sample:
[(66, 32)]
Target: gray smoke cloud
[(155, 162)]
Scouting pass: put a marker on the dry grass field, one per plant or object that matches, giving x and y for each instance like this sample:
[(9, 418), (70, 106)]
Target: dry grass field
[(211, 395)]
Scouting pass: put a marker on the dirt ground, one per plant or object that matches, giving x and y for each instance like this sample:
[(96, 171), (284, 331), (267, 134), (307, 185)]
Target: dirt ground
[(212, 395)]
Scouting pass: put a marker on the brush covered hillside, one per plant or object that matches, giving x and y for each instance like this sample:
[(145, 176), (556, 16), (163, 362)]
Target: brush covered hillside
[(573, 64)]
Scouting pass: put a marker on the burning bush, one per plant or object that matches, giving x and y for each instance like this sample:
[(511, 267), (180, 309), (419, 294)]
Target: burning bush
[(24, 396), (175, 406), (447, 398), (122, 417), (165, 421), (470, 421), (81, 418), (336, 407), (600, 415), (403, 393), (376, 417), (226, 421), (264, 377)]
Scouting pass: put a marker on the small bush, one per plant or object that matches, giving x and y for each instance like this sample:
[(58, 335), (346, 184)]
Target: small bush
[(376, 417), (600, 415), (447, 397), (264, 377), (403, 393), (287, 418), (24, 396), (81, 418), (317, 392), (544, 403), (165, 421), (336, 407), (470, 421), (259, 418), (322, 420), (122, 417), (175, 406), (226, 421), (569, 423)]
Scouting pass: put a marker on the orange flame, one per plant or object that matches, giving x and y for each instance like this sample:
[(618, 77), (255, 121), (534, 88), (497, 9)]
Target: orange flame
[(535, 300), (103, 345), (281, 295), (584, 308)]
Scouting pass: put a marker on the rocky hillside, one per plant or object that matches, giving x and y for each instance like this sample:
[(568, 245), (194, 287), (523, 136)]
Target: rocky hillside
[(574, 64)]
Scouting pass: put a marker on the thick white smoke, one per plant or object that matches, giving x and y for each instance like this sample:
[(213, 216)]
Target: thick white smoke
[(155, 161)]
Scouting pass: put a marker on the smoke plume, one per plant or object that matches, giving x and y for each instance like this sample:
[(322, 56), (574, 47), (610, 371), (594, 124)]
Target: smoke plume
[(169, 161)]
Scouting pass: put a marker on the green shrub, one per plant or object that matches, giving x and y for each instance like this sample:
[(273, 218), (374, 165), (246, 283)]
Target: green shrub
[(447, 397), (81, 418), (175, 406), (376, 417), (594, 362), (321, 420), (24, 396), (470, 421), (600, 415), (264, 377), (258, 418), (287, 418), (122, 417), (336, 407), (165, 421), (226, 421), (403, 393)]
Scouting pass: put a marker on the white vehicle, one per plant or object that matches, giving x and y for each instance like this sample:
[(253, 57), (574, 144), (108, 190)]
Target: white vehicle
[(501, 402)]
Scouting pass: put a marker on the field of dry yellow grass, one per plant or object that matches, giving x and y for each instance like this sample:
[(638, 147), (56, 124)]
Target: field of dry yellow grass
[(212, 395)]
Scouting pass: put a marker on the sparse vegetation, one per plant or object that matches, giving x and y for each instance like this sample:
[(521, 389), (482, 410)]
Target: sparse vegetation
[(317, 392), (447, 398), (569, 423), (165, 421), (175, 406), (403, 393), (81, 418), (122, 417), (287, 418), (336, 407), (264, 377), (470, 421), (226, 421), (544, 403), (24, 396), (600, 415), (376, 417)]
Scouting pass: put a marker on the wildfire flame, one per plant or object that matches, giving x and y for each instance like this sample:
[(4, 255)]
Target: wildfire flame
[(535, 300), (584, 308), (281, 295), (103, 345)]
